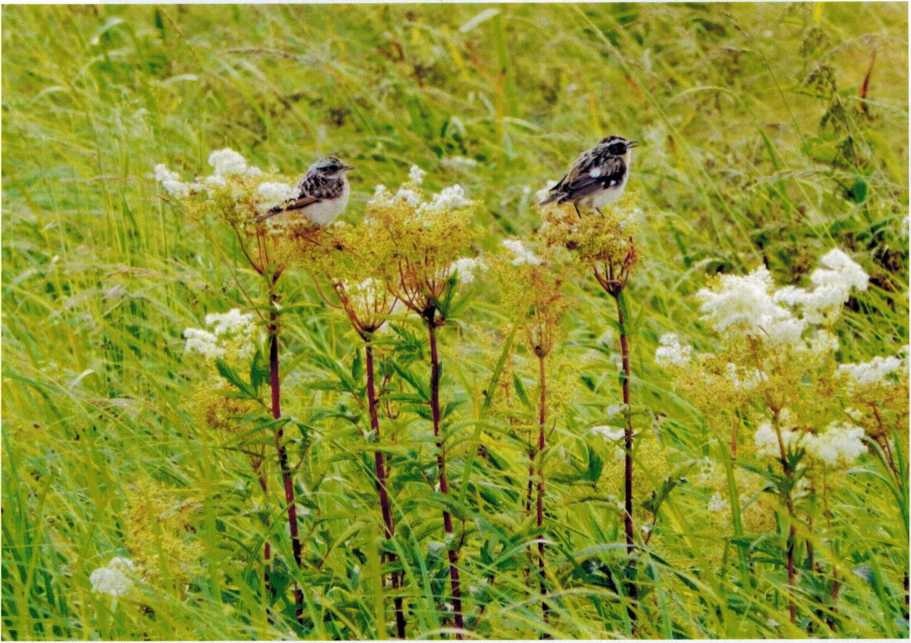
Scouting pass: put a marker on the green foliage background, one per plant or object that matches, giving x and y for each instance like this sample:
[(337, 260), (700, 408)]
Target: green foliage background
[(756, 148)]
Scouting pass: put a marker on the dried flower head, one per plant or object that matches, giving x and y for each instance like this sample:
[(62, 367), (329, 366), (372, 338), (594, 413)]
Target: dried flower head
[(531, 282), (605, 242), (422, 239)]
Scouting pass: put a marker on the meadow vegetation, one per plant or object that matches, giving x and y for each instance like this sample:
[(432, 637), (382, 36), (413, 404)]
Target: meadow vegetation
[(455, 413)]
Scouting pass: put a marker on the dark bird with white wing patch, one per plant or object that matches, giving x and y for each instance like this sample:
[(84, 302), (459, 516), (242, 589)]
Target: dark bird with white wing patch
[(597, 177)]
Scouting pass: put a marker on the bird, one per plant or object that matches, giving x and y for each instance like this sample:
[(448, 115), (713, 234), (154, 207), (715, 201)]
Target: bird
[(597, 177), (322, 193)]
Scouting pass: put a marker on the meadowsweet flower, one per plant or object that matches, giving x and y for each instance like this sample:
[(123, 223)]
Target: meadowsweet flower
[(521, 254), (416, 175), (202, 342), (766, 440), (270, 194), (171, 183), (717, 503), (833, 283), (381, 197), (671, 352), (230, 323), (408, 196), (466, 268), (226, 162), (740, 300), (839, 445), (450, 198), (114, 578), (839, 270), (232, 335), (872, 372)]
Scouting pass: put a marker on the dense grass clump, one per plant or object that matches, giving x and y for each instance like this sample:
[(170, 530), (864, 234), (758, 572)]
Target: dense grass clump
[(324, 463)]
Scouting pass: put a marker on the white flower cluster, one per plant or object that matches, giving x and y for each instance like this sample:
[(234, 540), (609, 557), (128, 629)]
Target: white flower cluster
[(225, 163), (231, 335), (749, 303), (745, 302), (521, 254), (203, 342), (171, 183), (717, 504), (114, 578), (271, 194), (416, 175), (671, 352), (872, 372), (833, 282), (837, 446), (767, 442), (466, 268), (450, 198)]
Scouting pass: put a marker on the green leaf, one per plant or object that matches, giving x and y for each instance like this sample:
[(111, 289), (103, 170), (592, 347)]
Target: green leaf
[(594, 468), (259, 371), (858, 191), (520, 390), (653, 503), (234, 379), (357, 367), (498, 369)]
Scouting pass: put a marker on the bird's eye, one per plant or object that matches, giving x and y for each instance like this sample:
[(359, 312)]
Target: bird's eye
[(617, 148)]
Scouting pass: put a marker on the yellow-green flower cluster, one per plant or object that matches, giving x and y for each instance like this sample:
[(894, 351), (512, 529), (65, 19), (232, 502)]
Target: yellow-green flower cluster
[(604, 241), (531, 282), (159, 533), (775, 365), (422, 237)]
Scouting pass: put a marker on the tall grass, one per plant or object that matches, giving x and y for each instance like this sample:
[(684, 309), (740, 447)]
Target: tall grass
[(758, 147)]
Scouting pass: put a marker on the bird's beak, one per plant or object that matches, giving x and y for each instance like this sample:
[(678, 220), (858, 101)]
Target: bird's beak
[(347, 167), (632, 144)]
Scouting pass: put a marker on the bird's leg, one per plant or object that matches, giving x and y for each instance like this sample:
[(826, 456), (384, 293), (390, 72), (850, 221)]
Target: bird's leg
[(598, 210), (576, 206)]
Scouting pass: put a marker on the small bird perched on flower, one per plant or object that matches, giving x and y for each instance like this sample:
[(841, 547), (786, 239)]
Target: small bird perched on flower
[(322, 193), (597, 177)]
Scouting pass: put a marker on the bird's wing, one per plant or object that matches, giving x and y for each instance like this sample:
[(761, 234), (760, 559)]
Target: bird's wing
[(320, 187), (299, 203), (291, 204), (591, 174)]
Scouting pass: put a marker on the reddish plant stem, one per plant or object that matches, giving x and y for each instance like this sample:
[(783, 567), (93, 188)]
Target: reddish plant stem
[(441, 467), (628, 527), (542, 422), (275, 387), (379, 461)]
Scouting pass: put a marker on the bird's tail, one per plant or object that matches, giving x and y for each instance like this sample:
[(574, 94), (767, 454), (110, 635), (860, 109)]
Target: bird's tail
[(553, 196), (271, 212)]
